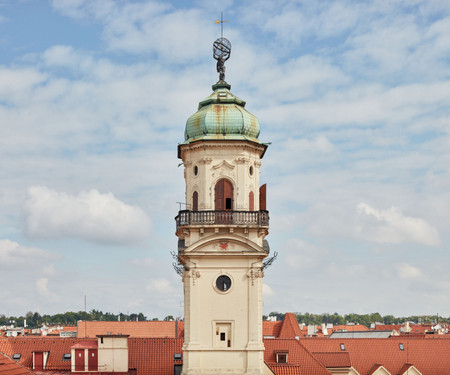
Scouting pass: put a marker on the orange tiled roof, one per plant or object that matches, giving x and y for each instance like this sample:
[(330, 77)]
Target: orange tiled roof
[(154, 355), (134, 329), (333, 359), (271, 328), (388, 327), (350, 328), (374, 368), (9, 366), (146, 355), (86, 344), (290, 328), (57, 346), (285, 369), (428, 355), (298, 356)]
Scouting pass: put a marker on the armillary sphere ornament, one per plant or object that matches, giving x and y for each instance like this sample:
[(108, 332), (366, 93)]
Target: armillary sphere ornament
[(221, 52)]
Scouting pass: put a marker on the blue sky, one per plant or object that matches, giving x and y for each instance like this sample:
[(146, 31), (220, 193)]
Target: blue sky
[(353, 96)]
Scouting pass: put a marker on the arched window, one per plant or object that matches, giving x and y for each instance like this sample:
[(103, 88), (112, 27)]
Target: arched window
[(251, 201), (195, 201), (223, 195)]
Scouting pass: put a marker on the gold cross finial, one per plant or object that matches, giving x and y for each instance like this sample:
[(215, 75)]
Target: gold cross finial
[(221, 21)]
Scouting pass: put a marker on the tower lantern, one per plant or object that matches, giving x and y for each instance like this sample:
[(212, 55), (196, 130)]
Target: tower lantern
[(221, 234)]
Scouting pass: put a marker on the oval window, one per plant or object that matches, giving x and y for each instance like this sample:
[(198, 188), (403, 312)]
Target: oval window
[(223, 283)]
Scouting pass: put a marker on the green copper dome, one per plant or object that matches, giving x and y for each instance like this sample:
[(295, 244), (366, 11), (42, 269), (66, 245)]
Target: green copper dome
[(222, 116)]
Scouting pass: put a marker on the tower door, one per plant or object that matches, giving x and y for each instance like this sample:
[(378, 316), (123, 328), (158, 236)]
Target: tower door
[(223, 196), (79, 359), (93, 360)]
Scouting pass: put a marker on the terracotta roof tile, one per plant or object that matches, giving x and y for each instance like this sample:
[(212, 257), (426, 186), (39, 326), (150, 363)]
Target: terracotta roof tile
[(57, 346), (350, 328), (297, 356), (271, 328), (285, 369), (9, 366), (333, 359), (428, 355), (134, 329), (290, 328), (86, 344), (154, 355)]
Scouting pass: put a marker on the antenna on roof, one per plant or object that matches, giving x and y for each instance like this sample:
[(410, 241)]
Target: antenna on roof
[(85, 329)]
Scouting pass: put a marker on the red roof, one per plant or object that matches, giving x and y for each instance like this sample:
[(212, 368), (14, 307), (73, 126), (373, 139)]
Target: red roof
[(290, 328), (57, 346), (271, 328), (86, 344), (9, 366), (298, 357), (154, 355), (427, 355), (146, 355), (350, 328), (333, 359), (285, 369), (134, 329)]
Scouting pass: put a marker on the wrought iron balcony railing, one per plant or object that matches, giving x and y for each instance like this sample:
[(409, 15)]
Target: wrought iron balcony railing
[(257, 218)]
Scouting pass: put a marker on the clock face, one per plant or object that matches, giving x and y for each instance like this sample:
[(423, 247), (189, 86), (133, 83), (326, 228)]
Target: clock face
[(223, 283)]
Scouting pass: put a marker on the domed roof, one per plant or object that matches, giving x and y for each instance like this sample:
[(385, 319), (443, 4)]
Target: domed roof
[(222, 116)]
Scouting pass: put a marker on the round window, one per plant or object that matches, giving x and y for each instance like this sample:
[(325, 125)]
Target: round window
[(223, 283), (251, 170), (195, 171)]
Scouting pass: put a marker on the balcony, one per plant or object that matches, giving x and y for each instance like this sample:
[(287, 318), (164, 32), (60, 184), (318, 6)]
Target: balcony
[(203, 218)]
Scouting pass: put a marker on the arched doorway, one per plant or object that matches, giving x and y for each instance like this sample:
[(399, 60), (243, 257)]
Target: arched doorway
[(223, 201), (223, 195)]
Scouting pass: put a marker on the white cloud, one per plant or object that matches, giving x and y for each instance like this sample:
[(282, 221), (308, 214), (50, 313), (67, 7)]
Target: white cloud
[(407, 271), (11, 253), (302, 255), (267, 290), (89, 215), (161, 286), (391, 226), (42, 287)]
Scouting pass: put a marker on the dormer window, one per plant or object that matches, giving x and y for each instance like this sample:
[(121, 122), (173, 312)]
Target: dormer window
[(401, 346), (282, 356), (16, 356), (342, 346)]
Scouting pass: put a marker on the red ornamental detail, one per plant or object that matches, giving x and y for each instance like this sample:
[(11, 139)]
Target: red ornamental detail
[(223, 245)]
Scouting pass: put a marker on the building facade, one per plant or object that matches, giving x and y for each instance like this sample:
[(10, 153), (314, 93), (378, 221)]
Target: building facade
[(221, 238)]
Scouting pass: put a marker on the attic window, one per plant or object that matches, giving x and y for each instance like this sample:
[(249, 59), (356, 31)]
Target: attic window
[(342, 346), (222, 94), (401, 346), (282, 356), (177, 357), (16, 356), (66, 357)]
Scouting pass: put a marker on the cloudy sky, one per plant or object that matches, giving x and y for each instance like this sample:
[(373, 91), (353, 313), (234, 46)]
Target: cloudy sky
[(353, 96)]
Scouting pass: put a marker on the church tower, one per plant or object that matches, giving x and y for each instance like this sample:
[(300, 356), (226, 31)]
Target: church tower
[(221, 234)]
